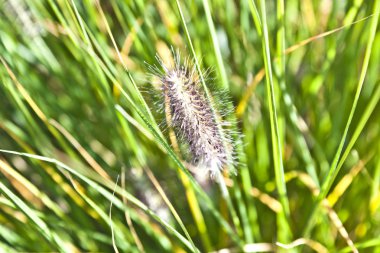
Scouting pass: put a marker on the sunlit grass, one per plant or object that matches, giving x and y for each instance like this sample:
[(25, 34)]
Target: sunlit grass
[(78, 110)]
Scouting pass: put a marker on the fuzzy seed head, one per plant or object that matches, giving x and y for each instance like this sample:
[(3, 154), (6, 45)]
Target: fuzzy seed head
[(192, 116)]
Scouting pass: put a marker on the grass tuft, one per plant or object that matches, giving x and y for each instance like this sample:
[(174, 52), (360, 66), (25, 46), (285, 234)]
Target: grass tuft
[(300, 88)]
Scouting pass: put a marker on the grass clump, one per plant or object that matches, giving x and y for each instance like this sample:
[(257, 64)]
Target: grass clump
[(85, 164)]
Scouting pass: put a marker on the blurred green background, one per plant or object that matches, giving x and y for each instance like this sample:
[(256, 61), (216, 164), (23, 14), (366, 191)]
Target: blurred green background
[(86, 162)]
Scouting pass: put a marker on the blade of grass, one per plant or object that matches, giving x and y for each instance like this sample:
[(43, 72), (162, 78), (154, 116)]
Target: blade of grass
[(128, 216), (104, 192), (120, 233), (372, 243), (290, 109), (171, 207), (141, 99), (241, 154), (196, 212), (39, 224), (260, 74), (215, 43), (370, 107), (110, 220), (6, 168), (275, 133), (334, 169), (375, 193)]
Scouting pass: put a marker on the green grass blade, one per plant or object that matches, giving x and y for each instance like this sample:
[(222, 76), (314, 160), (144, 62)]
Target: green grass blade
[(334, 169), (218, 55), (275, 133), (333, 172), (40, 225), (96, 186)]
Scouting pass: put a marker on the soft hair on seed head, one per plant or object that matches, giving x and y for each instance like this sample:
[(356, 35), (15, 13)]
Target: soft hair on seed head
[(192, 117)]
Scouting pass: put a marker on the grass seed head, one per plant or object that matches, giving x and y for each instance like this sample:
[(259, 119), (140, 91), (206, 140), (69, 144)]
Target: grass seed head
[(193, 117)]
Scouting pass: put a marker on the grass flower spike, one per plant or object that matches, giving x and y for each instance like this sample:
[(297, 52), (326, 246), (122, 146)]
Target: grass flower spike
[(193, 116)]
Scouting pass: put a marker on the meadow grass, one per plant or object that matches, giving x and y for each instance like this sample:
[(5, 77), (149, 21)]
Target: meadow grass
[(88, 164)]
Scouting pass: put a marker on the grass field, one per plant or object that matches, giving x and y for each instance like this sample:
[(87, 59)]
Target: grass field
[(89, 161)]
